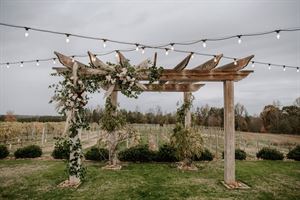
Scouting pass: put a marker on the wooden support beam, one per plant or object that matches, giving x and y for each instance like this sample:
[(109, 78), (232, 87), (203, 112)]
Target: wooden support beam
[(240, 64), (68, 62), (229, 140), (169, 87), (114, 98), (188, 117), (210, 64)]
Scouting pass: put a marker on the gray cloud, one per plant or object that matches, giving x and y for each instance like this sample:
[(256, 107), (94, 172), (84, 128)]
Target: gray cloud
[(25, 91)]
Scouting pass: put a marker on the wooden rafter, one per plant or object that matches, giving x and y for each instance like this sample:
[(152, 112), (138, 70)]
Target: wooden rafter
[(98, 63), (240, 64), (210, 64)]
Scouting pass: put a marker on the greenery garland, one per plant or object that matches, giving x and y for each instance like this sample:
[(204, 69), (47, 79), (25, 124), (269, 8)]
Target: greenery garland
[(72, 98)]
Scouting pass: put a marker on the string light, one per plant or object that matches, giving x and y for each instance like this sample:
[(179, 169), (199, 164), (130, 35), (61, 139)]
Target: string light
[(37, 63), (192, 56), (117, 55), (26, 32), (94, 58), (172, 46), (235, 62), (104, 43), (253, 65), (67, 38), (54, 62), (137, 47), (167, 51), (297, 69), (283, 67), (7, 65), (73, 60), (204, 43), (21, 65), (239, 39), (278, 34), (215, 58), (143, 50), (269, 66)]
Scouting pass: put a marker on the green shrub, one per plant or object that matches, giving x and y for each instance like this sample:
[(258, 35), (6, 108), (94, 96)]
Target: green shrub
[(98, 154), (31, 151), (239, 154), (294, 153), (140, 153), (269, 154), (166, 153), (3, 151), (61, 149), (205, 155)]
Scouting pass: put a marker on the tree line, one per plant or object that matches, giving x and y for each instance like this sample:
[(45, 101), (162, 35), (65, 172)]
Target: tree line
[(274, 118)]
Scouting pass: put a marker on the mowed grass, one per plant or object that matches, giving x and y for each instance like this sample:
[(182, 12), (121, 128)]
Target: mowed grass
[(38, 179)]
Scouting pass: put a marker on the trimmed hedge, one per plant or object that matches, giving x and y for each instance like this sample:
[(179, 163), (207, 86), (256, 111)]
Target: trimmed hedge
[(98, 154), (3, 151), (166, 153), (206, 155), (294, 153), (239, 154), (140, 153), (269, 154), (31, 151), (61, 149)]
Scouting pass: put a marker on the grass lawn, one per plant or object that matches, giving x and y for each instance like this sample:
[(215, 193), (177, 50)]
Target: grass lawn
[(37, 179)]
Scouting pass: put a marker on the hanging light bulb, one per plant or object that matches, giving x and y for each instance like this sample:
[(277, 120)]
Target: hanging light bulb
[(204, 43), (278, 34), (104, 43), (26, 32), (143, 50), (137, 47), (253, 65), (73, 60), (37, 63), (284, 68), (192, 56), (7, 65), (269, 66), (172, 46), (167, 51), (54, 62), (239, 39), (117, 55), (67, 38), (297, 69), (94, 58), (234, 61), (21, 65), (215, 58)]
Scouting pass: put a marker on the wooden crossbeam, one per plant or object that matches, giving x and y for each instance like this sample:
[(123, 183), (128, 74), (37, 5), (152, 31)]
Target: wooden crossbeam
[(170, 87), (210, 64), (240, 64)]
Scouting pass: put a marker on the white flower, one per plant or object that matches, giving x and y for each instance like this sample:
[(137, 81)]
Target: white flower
[(113, 81), (80, 82), (128, 78), (108, 77), (124, 70), (131, 84)]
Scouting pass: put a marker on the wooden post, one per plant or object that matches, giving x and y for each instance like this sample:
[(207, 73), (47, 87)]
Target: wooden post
[(188, 117), (112, 136), (229, 146)]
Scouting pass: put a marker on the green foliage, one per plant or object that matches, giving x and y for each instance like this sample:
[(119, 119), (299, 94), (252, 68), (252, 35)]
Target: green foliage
[(205, 155), (97, 154), (155, 73), (140, 153), (61, 149), (239, 154), (111, 119), (166, 153), (294, 153), (269, 154), (3, 151), (31, 151)]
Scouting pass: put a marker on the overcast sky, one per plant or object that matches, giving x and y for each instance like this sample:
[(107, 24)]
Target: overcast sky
[(25, 90)]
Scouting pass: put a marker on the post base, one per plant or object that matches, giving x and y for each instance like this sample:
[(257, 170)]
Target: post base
[(235, 185)]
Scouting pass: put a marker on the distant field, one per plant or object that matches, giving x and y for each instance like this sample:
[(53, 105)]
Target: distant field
[(43, 133)]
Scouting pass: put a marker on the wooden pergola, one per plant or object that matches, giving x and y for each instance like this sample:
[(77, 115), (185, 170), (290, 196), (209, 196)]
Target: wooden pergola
[(180, 79)]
